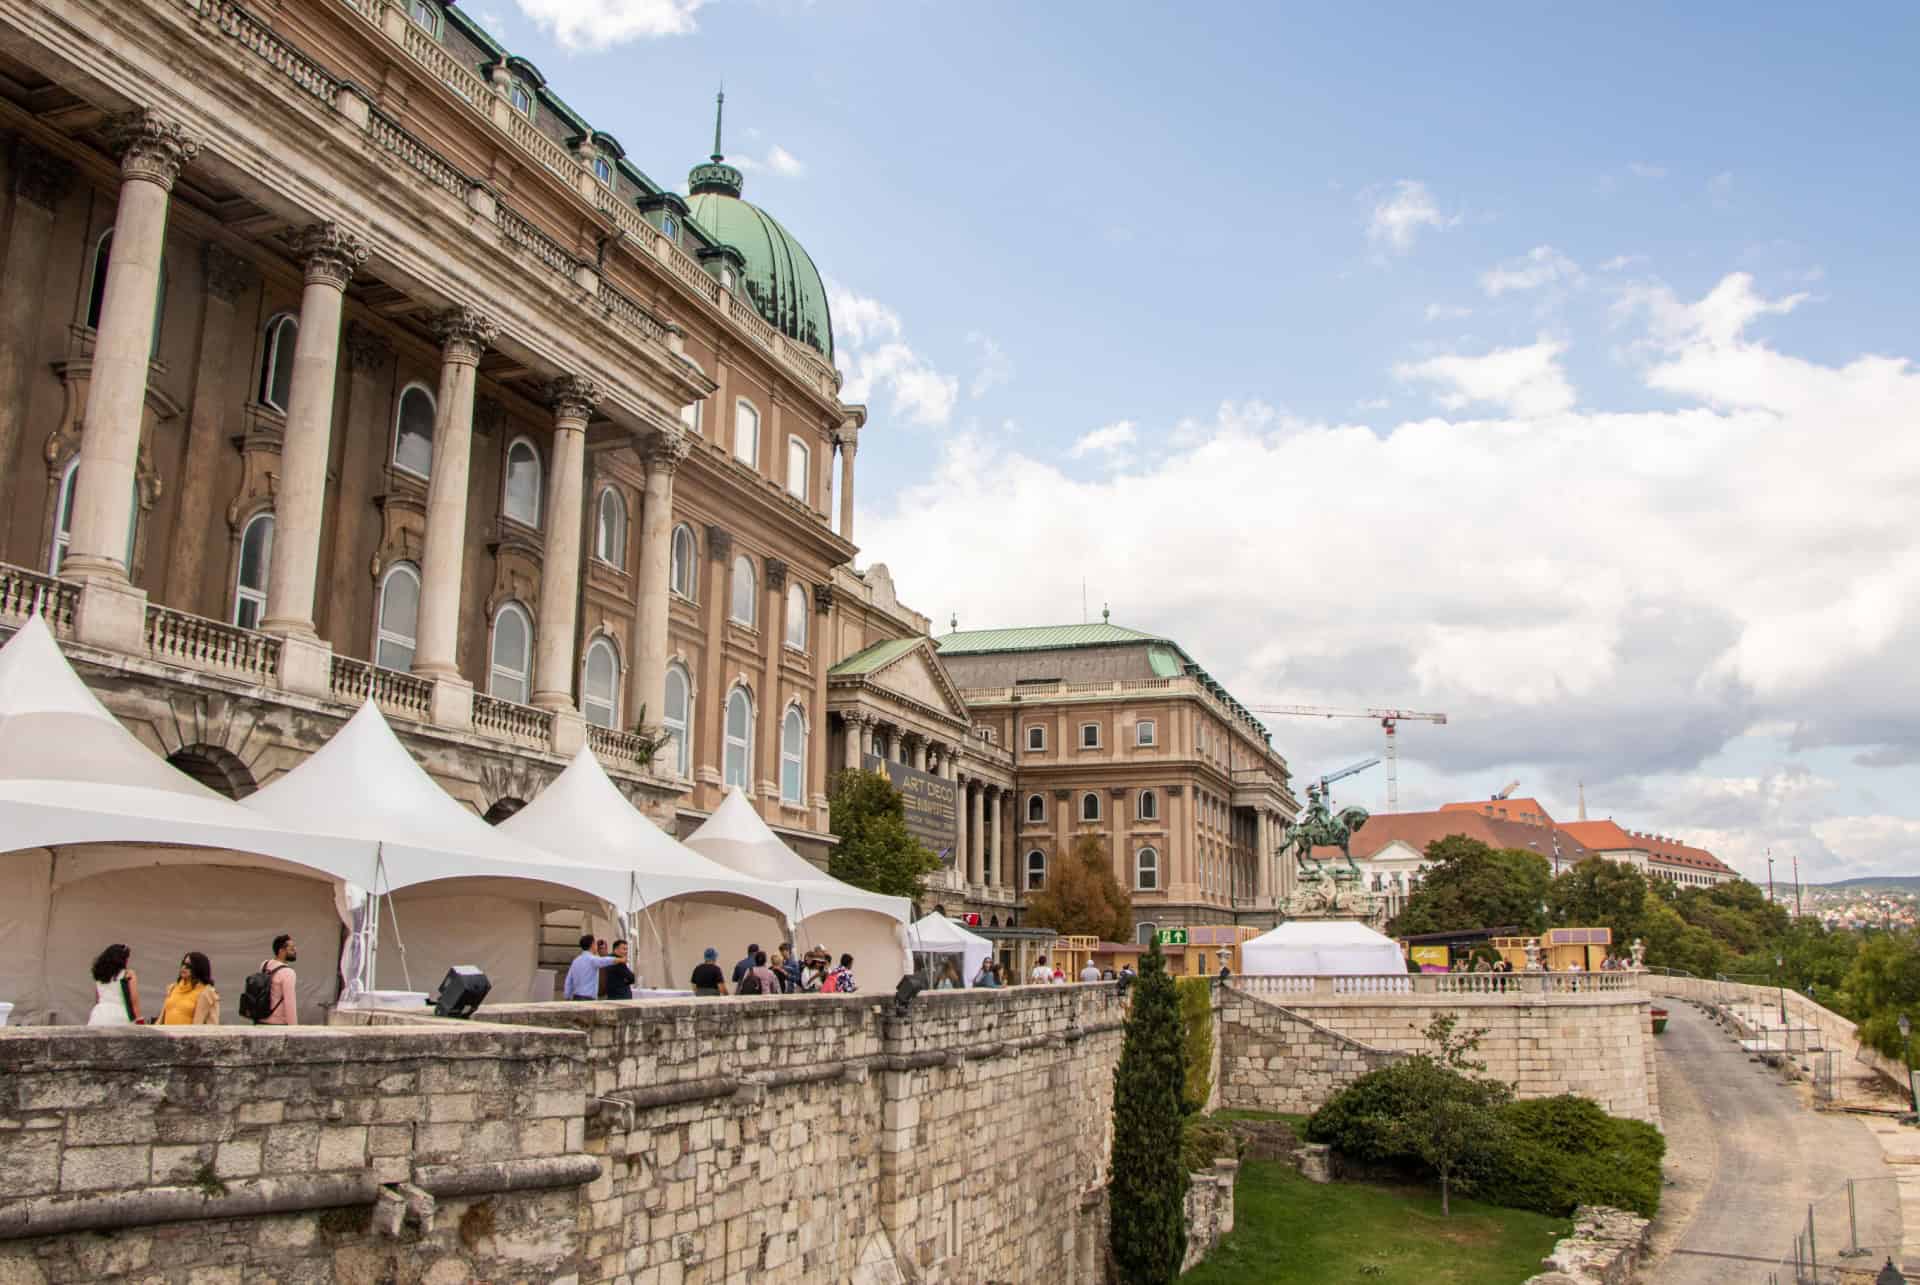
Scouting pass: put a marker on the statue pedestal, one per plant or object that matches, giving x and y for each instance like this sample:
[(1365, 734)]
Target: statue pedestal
[(1322, 902)]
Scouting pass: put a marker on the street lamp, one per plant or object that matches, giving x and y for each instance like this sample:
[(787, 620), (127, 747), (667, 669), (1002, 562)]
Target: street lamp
[(1781, 985), (1906, 1033)]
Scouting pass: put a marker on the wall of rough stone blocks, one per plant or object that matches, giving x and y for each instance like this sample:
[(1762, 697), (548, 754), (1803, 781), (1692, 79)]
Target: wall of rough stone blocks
[(1209, 1210), (1293, 1058)]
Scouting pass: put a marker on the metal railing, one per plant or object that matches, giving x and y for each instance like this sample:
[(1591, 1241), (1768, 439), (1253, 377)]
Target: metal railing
[(194, 642)]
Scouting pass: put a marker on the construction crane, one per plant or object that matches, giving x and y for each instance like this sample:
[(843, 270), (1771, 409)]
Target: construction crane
[(1344, 773), (1506, 791), (1387, 717)]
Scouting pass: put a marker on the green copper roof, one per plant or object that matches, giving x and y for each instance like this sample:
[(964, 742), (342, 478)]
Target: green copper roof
[(869, 659), (1167, 662), (974, 642)]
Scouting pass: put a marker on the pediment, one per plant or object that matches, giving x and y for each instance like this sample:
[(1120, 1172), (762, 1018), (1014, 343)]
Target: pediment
[(919, 676)]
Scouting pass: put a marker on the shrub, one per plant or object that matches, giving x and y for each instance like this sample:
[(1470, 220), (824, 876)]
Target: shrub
[(1196, 1034), (1360, 1120), (1204, 1140)]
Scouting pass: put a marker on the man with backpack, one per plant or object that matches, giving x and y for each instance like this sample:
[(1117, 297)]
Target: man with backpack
[(267, 998), (759, 979)]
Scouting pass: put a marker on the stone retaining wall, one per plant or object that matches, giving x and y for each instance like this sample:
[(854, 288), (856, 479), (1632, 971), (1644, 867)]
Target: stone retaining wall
[(1604, 1248), (1209, 1210), (1836, 1032)]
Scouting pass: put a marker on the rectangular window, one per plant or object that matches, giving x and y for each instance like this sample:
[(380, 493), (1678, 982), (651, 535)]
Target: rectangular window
[(1089, 736), (746, 433), (690, 415), (426, 14), (798, 458), (1143, 732), (1036, 738)]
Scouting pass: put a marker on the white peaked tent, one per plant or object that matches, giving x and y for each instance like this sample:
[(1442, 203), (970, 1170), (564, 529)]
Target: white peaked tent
[(456, 890), (681, 901), (101, 841), (826, 912), (940, 935), (1322, 948)]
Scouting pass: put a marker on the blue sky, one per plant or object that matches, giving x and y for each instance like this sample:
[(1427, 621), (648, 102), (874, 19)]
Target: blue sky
[(1543, 365)]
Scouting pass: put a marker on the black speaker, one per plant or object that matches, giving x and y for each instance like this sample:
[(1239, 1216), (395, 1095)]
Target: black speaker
[(461, 991)]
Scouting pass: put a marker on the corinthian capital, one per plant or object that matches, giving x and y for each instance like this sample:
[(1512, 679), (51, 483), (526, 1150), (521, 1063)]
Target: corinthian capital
[(573, 397), (329, 252), (39, 176), (666, 451), (150, 146), (464, 333), (776, 574), (848, 437), (368, 349), (823, 598)]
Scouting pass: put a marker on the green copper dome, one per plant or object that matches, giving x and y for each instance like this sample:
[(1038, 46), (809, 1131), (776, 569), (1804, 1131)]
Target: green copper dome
[(779, 277)]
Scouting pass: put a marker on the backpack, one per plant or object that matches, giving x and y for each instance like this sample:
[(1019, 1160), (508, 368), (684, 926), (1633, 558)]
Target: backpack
[(752, 985), (256, 997)]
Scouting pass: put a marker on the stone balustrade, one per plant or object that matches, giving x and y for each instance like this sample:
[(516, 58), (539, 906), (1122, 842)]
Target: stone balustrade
[(507, 721), (24, 593), (1518, 987), (194, 642), (355, 682)]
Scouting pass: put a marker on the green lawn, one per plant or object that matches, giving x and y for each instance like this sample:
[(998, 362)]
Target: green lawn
[(1287, 1229)]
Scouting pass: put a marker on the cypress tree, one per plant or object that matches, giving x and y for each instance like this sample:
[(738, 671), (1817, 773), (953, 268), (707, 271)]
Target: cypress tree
[(1147, 1190)]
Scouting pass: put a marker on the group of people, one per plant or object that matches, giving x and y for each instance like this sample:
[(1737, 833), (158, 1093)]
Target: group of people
[(603, 972), (600, 971), (192, 999)]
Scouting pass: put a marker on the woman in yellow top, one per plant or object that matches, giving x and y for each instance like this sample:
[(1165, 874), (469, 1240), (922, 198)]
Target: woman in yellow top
[(192, 1001)]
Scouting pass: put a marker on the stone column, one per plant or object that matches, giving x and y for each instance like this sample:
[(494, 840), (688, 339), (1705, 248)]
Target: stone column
[(1262, 858), (961, 847), (822, 639), (849, 445), (572, 399), (346, 604), (866, 734), (714, 685), (996, 822), (40, 181), (976, 840), (851, 722), (228, 276), (920, 753), (464, 335), (773, 708), (152, 152), (663, 454), (330, 255)]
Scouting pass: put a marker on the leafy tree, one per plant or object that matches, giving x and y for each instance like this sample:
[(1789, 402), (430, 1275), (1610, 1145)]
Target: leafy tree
[(1082, 896), (1455, 1052), (1883, 983), (1672, 942), (1447, 1119), (1599, 893), (876, 851), (1196, 1035), (1470, 885), (1147, 1190)]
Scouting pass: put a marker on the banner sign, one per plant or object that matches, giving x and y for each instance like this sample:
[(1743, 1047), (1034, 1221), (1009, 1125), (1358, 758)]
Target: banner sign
[(1432, 959), (1172, 936), (933, 814)]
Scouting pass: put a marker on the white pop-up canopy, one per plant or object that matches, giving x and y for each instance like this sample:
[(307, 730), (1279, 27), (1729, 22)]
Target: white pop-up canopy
[(1321, 948), (104, 841), (682, 903), (940, 935), (460, 891), (826, 911)]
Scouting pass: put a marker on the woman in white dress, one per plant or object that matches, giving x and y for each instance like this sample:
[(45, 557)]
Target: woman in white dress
[(114, 1004)]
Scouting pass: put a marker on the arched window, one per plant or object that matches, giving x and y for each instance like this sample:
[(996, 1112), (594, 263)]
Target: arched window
[(276, 361), (521, 97), (1146, 870), (1090, 806), (793, 756), (668, 227), (1036, 870), (97, 295), (250, 587), (1036, 808), (738, 765), (797, 617), (683, 561), (63, 518), (399, 617), (600, 684), (610, 528), (798, 461), (521, 498), (677, 717), (743, 590), (413, 431), (603, 170), (746, 433), (426, 14), (1143, 934), (508, 675), (1149, 809)]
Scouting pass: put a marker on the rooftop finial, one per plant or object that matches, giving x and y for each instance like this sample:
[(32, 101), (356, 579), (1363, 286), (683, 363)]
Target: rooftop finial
[(954, 622), (1106, 614), (719, 108)]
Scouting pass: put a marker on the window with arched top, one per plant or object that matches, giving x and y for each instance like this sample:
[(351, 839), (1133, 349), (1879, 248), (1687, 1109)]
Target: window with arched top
[(737, 768), (1146, 870), (399, 617), (682, 578), (1143, 933), (520, 493), (744, 595), (426, 14), (677, 718), (797, 617), (510, 671), (276, 361), (413, 431), (603, 170), (250, 585), (610, 528), (799, 461), (746, 433), (63, 518), (793, 756), (1149, 807), (600, 684), (521, 97), (1036, 808), (1090, 806), (1036, 870)]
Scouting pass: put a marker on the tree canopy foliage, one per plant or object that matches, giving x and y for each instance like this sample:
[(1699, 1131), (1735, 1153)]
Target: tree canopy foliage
[(1082, 896), (1471, 885), (876, 850)]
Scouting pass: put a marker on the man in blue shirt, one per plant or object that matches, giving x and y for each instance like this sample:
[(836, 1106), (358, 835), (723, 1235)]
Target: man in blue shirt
[(583, 975), (745, 966)]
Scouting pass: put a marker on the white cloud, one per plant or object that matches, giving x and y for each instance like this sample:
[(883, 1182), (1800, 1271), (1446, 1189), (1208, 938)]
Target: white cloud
[(874, 358), (781, 161), (1397, 219), (1640, 169), (1373, 404), (1447, 312), (491, 21), (599, 24), (1109, 440), (1621, 262), (996, 368), (1541, 266), (1527, 382)]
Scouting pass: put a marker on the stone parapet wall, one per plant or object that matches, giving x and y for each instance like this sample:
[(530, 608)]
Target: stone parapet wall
[(1294, 1057), (1835, 1032), (1209, 1210)]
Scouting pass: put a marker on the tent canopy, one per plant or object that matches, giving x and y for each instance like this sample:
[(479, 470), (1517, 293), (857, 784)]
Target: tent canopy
[(1322, 948), (939, 935), (736, 837), (70, 773)]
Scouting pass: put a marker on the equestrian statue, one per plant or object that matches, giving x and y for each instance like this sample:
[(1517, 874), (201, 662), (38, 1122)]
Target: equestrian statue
[(1319, 828)]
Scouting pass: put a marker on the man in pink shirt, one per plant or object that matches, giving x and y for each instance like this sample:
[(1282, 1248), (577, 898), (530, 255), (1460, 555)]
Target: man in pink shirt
[(283, 981)]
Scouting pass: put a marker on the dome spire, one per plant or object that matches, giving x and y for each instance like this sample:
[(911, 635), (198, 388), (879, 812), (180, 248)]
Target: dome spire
[(716, 175)]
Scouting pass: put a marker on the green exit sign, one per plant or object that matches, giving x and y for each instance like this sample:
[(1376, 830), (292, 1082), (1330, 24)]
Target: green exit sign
[(1173, 936)]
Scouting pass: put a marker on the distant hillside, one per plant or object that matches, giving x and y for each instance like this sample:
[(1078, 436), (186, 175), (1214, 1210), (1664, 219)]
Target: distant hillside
[(1875, 883)]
